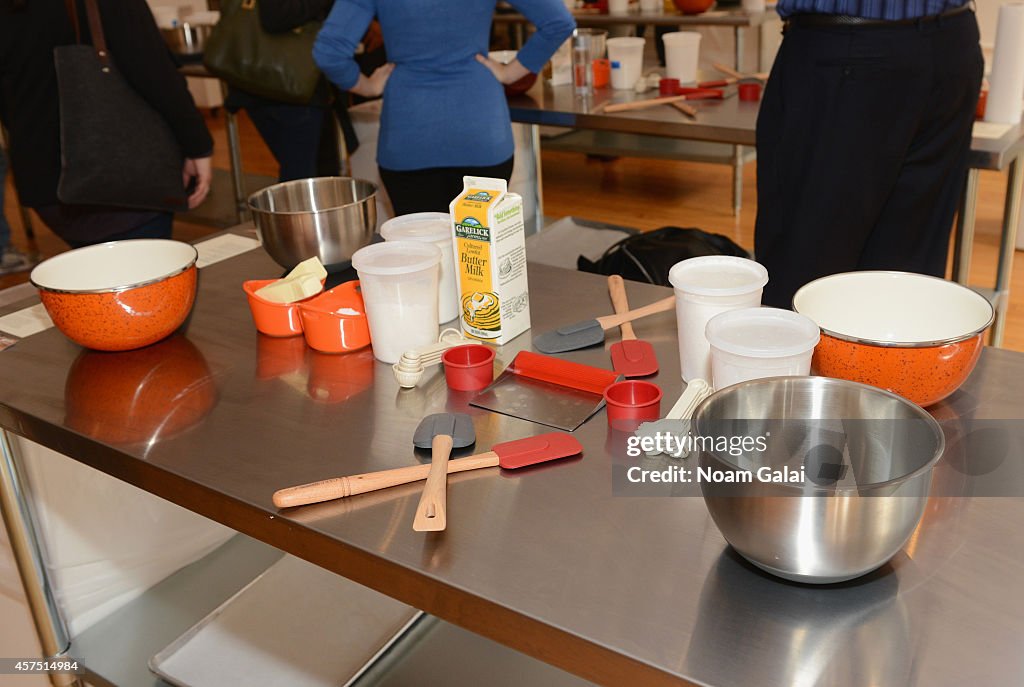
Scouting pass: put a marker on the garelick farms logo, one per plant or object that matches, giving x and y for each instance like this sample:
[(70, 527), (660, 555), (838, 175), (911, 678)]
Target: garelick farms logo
[(479, 196), (470, 228)]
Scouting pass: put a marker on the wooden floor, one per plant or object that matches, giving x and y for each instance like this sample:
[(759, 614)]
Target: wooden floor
[(638, 193)]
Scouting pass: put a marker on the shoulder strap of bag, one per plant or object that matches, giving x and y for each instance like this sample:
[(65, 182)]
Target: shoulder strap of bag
[(69, 5), (99, 41)]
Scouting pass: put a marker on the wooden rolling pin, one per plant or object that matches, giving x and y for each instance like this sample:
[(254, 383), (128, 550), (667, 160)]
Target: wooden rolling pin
[(688, 110), (644, 104)]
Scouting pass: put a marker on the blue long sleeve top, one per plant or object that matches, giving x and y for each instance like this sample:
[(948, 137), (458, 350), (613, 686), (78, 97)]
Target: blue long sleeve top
[(441, 107)]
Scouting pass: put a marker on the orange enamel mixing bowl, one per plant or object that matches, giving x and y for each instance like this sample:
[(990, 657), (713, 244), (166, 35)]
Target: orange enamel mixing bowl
[(119, 295), (912, 334)]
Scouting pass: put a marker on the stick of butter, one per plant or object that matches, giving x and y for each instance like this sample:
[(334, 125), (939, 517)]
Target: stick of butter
[(305, 280)]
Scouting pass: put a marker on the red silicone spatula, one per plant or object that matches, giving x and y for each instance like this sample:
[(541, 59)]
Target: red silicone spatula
[(631, 357), (510, 455)]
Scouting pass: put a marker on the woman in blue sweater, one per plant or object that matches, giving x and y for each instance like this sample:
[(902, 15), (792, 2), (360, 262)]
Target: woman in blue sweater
[(444, 112)]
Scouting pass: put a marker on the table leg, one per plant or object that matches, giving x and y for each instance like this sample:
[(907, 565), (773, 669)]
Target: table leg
[(1007, 246), (739, 48), (17, 516), (535, 146), (235, 158), (737, 180), (963, 243)]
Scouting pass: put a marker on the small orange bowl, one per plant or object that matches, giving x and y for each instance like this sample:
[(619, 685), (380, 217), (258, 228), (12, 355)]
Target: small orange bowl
[(335, 321), (120, 295), (272, 319), (912, 334)]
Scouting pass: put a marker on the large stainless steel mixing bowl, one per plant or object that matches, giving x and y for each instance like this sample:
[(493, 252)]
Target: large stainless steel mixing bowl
[(865, 457), (329, 217)]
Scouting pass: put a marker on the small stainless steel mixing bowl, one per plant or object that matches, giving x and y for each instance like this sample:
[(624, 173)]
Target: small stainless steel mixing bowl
[(187, 38), (865, 457), (327, 217)]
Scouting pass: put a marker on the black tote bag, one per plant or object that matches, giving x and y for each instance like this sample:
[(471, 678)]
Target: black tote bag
[(116, 150)]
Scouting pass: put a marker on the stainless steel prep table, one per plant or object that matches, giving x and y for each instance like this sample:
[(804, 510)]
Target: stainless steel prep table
[(733, 121), (622, 591)]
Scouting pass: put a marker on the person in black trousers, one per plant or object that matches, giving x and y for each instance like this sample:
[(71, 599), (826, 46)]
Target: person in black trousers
[(862, 141)]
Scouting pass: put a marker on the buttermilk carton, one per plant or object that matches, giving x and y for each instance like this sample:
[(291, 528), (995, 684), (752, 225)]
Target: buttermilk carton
[(490, 249)]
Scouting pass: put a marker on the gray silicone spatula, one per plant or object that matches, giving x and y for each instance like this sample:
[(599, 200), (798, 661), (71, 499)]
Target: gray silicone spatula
[(440, 432), (585, 333)]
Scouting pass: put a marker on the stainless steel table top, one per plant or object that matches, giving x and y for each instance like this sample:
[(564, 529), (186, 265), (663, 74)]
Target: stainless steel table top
[(725, 121), (623, 591)]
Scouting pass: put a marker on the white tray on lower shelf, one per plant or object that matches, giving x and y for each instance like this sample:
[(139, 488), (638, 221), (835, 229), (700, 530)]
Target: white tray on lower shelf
[(296, 625)]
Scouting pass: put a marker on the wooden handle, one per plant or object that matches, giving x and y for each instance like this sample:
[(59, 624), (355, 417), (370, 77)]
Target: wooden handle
[(341, 487), (617, 290), (609, 321), (688, 110), (717, 83), (644, 104), (431, 514), (725, 69)]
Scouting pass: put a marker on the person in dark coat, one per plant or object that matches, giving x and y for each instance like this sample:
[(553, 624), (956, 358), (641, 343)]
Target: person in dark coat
[(29, 109)]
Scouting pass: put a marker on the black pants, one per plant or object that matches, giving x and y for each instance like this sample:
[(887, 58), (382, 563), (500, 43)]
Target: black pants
[(862, 144), (431, 190)]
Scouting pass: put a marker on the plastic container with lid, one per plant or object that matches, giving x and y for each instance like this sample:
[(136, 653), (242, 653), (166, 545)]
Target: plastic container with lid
[(436, 228), (706, 286), (399, 282), (752, 343)]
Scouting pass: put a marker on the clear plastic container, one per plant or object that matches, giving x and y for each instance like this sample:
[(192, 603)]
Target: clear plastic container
[(752, 343), (399, 282), (436, 228), (705, 287)]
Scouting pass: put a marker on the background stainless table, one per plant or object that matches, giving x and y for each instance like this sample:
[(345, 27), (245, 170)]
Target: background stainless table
[(735, 122), (622, 591)]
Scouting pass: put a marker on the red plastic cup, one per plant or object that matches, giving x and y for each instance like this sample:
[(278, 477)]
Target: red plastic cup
[(632, 402), (979, 109), (668, 87), (469, 367), (750, 92)]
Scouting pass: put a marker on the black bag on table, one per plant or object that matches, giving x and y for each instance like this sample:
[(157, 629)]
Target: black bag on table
[(649, 255), (116, 150)]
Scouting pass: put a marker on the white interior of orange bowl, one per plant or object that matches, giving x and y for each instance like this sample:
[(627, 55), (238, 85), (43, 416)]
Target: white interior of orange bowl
[(114, 265), (893, 307)]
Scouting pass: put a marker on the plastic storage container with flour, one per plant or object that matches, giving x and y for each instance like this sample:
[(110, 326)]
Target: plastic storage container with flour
[(399, 281), (706, 286), (436, 228), (752, 343)]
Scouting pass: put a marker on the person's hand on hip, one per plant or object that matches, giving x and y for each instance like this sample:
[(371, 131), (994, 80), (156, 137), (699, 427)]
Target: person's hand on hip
[(200, 169), (504, 73)]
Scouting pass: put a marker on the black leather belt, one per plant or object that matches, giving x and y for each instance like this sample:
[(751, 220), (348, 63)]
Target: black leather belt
[(838, 20)]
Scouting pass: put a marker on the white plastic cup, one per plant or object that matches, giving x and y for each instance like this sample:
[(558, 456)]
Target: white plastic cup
[(752, 343), (618, 6), (682, 49), (628, 51), (399, 281), (651, 6), (436, 228), (705, 287)]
